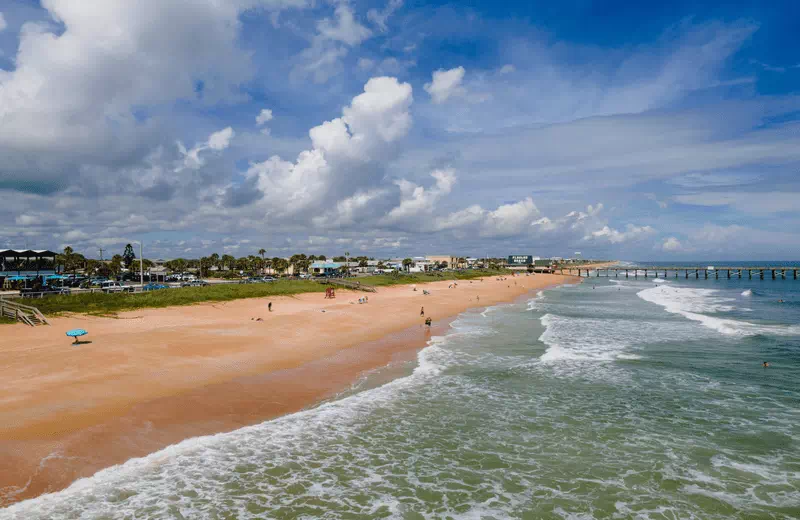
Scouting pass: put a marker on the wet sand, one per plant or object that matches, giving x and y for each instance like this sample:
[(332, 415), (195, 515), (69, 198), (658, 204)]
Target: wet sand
[(153, 377)]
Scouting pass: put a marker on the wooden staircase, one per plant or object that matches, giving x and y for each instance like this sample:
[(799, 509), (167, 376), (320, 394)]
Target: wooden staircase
[(24, 313)]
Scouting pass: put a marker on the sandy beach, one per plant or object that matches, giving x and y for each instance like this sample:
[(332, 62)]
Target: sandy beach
[(150, 378)]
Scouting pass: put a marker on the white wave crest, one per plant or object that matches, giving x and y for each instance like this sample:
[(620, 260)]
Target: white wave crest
[(697, 304)]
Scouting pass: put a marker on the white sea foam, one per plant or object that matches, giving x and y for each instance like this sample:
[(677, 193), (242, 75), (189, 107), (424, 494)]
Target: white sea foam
[(533, 303), (696, 305), (748, 292), (582, 339)]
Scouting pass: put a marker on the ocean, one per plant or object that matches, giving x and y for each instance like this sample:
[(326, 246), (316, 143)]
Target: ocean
[(615, 398)]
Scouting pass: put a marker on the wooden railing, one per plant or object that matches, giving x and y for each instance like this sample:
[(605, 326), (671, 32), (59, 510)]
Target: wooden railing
[(24, 313)]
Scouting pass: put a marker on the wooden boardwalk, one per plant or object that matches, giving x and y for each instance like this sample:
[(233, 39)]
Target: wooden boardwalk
[(782, 272), (24, 313)]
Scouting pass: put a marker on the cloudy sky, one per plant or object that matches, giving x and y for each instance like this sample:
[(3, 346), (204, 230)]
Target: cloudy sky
[(630, 130)]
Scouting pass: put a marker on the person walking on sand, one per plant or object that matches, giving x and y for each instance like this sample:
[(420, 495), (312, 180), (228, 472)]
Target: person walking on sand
[(269, 306), (422, 311)]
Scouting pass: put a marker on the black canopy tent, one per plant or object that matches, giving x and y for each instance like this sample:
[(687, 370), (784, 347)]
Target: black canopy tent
[(27, 261)]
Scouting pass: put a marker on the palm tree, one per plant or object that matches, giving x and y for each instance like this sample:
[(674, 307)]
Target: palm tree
[(407, 263), (115, 266), (91, 267), (261, 252), (179, 264), (280, 264), (68, 259), (205, 263), (214, 260)]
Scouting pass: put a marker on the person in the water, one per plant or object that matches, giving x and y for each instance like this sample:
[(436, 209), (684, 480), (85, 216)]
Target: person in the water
[(766, 364)]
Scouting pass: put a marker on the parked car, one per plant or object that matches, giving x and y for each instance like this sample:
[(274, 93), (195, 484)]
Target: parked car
[(92, 283), (115, 287), (195, 283), (44, 290), (305, 276), (155, 287), (268, 279)]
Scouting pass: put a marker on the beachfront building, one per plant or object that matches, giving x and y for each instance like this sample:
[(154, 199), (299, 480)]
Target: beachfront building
[(325, 268), (449, 260), (421, 265)]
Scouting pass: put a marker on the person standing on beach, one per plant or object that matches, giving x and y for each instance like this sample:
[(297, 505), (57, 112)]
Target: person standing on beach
[(422, 311), (269, 306)]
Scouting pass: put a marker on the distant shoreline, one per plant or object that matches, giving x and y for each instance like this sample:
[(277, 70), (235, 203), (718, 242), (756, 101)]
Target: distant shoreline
[(154, 377)]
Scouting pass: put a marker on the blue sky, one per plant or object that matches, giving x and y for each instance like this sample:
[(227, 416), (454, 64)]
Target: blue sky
[(630, 130)]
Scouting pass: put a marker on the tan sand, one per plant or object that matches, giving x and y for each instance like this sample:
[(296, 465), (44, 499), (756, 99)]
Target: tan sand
[(153, 377)]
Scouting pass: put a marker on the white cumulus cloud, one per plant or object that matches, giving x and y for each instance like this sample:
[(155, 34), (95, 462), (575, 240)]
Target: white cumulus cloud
[(345, 160), (345, 28), (445, 84), (264, 117), (615, 236), (218, 141), (671, 244)]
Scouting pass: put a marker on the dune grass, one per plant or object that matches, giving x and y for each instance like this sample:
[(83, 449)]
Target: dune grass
[(99, 303), (109, 304), (7, 321)]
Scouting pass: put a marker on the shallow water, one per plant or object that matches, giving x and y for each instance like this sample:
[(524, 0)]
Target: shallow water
[(612, 399)]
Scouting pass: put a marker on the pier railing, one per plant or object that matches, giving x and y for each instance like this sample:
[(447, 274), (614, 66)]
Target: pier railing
[(782, 272)]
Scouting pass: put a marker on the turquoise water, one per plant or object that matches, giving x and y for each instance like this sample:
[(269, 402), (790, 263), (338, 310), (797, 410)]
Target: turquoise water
[(611, 399)]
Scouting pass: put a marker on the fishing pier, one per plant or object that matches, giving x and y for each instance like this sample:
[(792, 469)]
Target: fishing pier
[(706, 272)]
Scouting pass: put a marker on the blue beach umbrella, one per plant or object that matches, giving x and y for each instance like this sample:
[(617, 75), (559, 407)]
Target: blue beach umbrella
[(76, 333)]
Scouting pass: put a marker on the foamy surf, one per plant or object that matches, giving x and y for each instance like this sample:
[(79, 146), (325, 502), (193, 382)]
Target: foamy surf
[(483, 428), (694, 304)]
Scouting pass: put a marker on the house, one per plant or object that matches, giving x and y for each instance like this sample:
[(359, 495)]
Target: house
[(421, 265), (325, 268)]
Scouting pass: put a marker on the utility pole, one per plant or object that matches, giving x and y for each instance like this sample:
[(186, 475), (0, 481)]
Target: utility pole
[(141, 264), (101, 253)]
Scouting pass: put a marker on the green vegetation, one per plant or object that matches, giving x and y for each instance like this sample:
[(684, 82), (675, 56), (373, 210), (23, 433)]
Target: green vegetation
[(105, 304), (7, 321), (99, 303)]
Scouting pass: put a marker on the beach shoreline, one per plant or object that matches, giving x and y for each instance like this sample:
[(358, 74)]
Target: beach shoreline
[(153, 377)]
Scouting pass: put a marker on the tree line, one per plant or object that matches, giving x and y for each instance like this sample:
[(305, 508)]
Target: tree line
[(72, 261)]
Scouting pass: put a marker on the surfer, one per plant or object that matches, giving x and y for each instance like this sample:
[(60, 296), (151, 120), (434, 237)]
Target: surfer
[(766, 364)]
